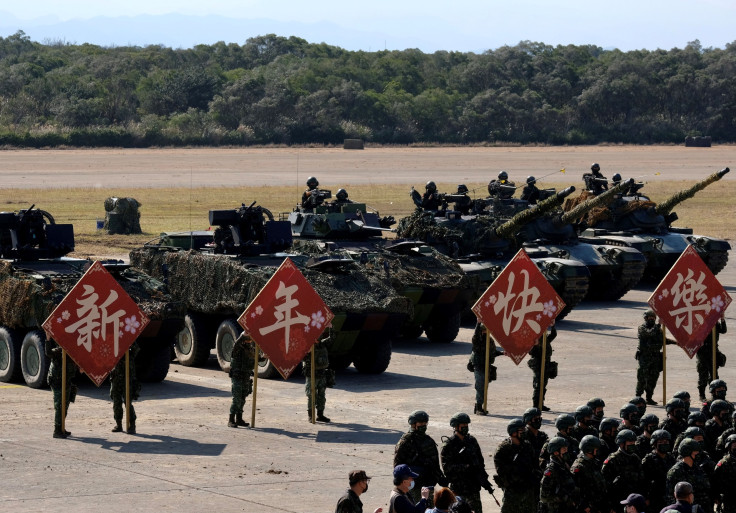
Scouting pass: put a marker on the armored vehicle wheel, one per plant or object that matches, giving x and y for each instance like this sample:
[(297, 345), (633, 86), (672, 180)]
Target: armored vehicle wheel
[(227, 332), (193, 342), (443, 329), (373, 358), (152, 364), (10, 343), (266, 369), (411, 331), (340, 362), (33, 361)]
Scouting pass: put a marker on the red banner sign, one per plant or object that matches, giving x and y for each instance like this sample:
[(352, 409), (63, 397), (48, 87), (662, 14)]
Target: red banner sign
[(286, 318), (518, 306), (689, 301), (96, 323)]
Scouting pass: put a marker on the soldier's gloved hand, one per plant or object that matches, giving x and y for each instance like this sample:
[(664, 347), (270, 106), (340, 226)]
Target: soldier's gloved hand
[(500, 351), (471, 367)]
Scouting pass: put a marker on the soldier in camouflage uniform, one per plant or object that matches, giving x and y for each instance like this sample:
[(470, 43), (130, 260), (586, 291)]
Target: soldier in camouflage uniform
[(685, 396), (518, 474), (675, 423), (607, 433), (640, 404), (648, 425), (477, 365), (418, 450), (687, 470), (564, 424), (595, 182), (704, 358), (117, 390), (597, 404), (630, 418), (557, 491), (532, 432), (323, 375), (550, 367), (721, 449), (717, 424), (242, 362), (54, 379), (717, 389), (463, 464), (649, 355), (622, 469), (587, 476), (724, 477), (583, 417), (655, 465)]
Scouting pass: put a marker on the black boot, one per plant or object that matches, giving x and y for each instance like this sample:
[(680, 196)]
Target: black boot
[(231, 421), (239, 420), (118, 426), (651, 401), (321, 416), (478, 409), (131, 429), (58, 433)]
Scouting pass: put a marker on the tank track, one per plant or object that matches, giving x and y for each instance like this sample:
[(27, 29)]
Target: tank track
[(715, 260), (573, 291), (631, 273)]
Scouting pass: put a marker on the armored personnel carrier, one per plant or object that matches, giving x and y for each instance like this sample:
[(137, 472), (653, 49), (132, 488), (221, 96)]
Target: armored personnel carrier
[(221, 271), (435, 284), (483, 244), (633, 221), (35, 275)]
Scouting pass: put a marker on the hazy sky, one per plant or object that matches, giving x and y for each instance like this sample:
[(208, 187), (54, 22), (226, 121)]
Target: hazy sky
[(465, 25)]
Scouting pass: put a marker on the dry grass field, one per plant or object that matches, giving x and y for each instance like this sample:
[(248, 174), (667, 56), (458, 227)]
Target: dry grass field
[(177, 188)]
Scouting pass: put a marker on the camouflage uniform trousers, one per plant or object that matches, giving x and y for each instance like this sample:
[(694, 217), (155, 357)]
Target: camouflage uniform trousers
[(517, 500), (117, 394), (57, 404), (704, 366), (647, 374), (472, 498), (241, 388), (480, 381), (320, 376)]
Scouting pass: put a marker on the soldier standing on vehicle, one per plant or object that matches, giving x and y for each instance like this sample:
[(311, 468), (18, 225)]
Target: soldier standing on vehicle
[(477, 365), (501, 188), (655, 466), (649, 355), (117, 390), (704, 358), (550, 367), (588, 478), (530, 192), (311, 197), (242, 362), (557, 490), (54, 379), (463, 203), (431, 198), (324, 378), (595, 182), (418, 450), (463, 464), (518, 474)]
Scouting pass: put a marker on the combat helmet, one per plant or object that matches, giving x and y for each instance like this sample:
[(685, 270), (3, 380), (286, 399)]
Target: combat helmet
[(341, 194), (629, 409), (730, 440), (625, 435), (555, 444), (685, 396), (719, 405), (596, 402), (695, 418), (462, 188), (530, 180), (312, 182), (693, 431), (688, 447), (608, 423), (431, 186), (583, 411), (418, 416), (640, 404), (649, 313), (503, 175), (531, 413), (648, 420), (564, 422), (595, 167), (674, 404), (616, 178), (459, 418), (515, 425), (661, 434), (715, 385), (588, 443)]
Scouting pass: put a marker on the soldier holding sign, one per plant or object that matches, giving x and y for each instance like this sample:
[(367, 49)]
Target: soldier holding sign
[(477, 365), (704, 358), (55, 381), (535, 364), (117, 390), (324, 378), (242, 362)]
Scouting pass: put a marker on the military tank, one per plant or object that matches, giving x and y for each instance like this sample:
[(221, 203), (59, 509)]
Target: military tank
[(36, 274), (632, 220), (435, 284), (218, 273), (483, 244)]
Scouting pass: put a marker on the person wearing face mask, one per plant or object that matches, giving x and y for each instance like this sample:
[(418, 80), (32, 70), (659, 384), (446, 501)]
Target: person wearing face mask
[(675, 423), (597, 405), (622, 469), (630, 418), (648, 425), (721, 449), (400, 501), (724, 477), (463, 464), (518, 475), (418, 450), (717, 389), (532, 432), (687, 470), (649, 355), (717, 424), (583, 418), (607, 432), (564, 424), (587, 476), (704, 359), (685, 396), (655, 466), (557, 490), (350, 502)]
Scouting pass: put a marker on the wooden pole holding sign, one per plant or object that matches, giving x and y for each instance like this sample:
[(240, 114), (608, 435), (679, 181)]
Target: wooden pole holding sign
[(541, 374), (488, 364), (664, 365), (63, 391), (715, 352), (257, 354), (313, 389), (127, 390)]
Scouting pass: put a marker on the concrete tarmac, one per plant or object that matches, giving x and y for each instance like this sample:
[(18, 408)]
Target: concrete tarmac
[(185, 458)]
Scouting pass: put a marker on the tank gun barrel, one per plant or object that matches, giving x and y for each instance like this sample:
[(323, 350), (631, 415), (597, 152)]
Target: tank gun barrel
[(601, 199), (666, 206), (511, 226)]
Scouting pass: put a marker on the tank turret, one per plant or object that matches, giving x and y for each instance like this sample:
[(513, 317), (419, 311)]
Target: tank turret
[(666, 206), (511, 226), (586, 206)]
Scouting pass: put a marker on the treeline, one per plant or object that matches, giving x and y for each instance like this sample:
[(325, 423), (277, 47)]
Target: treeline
[(276, 90)]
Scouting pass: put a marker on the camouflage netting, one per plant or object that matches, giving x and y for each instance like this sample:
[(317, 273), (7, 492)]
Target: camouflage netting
[(26, 301), (219, 284), (471, 237), (603, 213), (122, 216)]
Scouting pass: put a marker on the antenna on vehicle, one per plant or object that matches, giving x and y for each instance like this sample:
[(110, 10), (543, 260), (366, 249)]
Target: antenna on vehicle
[(191, 186)]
